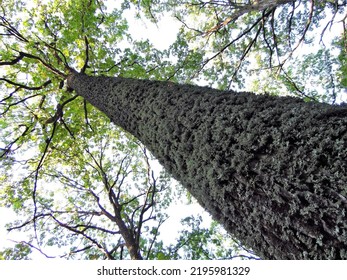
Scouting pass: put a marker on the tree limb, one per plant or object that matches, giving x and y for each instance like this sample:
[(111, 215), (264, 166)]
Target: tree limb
[(21, 86), (14, 61), (85, 66)]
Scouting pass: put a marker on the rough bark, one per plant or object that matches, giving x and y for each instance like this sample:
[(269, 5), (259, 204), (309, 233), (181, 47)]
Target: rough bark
[(272, 170), (129, 237)]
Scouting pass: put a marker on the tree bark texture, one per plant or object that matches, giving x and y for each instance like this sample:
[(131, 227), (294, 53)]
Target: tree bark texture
[(271, 170)]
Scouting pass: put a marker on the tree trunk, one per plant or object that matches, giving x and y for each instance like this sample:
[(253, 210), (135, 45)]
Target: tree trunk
[(271, 170)]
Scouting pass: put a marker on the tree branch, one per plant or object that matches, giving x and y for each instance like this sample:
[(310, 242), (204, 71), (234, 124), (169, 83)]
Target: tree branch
[(12, 31), (101, 247), (245, 32), (239, 11), (34, 247), (8, 149), (86, 115), (47, 65), (21, 86), (154, 238), (14, 61), (308, 24), (85, 66)]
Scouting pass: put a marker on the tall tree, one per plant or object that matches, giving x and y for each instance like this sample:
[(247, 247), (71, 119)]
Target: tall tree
[(272, 170)]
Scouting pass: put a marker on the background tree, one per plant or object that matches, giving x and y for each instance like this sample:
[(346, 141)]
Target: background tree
[(223, 42), (48, 56)]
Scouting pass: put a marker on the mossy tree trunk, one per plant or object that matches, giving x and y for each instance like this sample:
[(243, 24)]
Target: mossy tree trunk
[(271, 170)]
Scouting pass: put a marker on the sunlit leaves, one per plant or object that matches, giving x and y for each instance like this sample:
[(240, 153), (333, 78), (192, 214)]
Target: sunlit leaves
[(198, 242), (18, 252), (342, 58)]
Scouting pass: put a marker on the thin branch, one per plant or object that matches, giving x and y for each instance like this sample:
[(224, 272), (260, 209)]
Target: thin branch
[(58, 54), (274, 36), (67, 128), (86, 227), (290, 80), (47, 65), (8, 149), (86, 115), (34, 247), (76, 251), (17, 102), (103, 210), (21, 86), (307, 26), (102, 248), (155, 237), (48, 141), (190, 28), (12, 31), (269, 47), (59, 113), (245, 32), (290, 23), (118, 64), (28, 222), (246, 51)]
